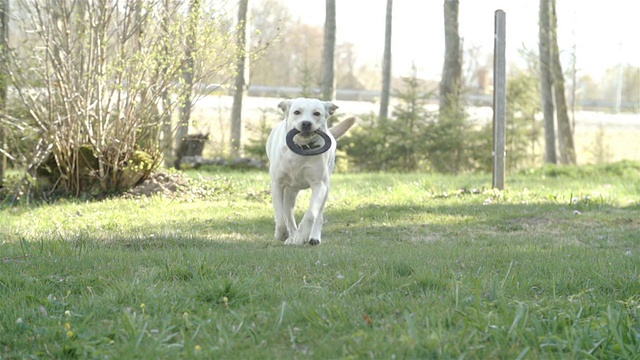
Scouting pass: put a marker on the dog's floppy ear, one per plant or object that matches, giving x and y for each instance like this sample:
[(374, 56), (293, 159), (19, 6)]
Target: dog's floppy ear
[(284, 105), (330, 107)]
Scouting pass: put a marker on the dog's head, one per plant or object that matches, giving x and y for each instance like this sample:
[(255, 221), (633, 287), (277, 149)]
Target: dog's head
[(307, 115)]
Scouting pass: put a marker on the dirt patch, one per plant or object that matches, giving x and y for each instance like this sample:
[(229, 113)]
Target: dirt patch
[(161, 183)]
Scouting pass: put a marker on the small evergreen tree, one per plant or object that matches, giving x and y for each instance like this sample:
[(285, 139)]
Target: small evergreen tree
[(399, 144), (410, 127), (449, 151), (523, 130)]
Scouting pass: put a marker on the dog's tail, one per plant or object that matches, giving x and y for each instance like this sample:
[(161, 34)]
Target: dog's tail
[(341, 128)]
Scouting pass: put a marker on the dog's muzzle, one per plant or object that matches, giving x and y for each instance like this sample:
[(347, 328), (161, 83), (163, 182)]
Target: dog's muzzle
[(308, 149)]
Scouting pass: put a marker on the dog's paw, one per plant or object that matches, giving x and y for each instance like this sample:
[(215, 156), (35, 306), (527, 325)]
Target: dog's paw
[(282, 234), (292, 241), (314, 242)]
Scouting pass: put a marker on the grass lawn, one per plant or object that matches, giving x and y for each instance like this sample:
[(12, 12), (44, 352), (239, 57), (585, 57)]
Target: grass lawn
[(411, 266)]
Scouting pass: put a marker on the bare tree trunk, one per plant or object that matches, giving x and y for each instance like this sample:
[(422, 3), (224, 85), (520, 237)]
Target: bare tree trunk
[(450, 85), (451, 116), (574, 86), (167, 133), (187, 77), (386, 65), (328, 55), (236, 110), (4, 42), (565, 130), (546, 82)]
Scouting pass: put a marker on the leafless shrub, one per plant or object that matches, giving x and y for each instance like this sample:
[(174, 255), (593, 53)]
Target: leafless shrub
[(101, 80)]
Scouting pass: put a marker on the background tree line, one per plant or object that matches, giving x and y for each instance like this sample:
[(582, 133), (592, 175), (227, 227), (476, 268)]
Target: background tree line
[(96, 94), (296, 62), (527, 146)]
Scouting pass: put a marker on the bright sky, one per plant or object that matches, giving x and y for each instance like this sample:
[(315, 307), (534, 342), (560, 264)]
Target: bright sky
[(605, 33)]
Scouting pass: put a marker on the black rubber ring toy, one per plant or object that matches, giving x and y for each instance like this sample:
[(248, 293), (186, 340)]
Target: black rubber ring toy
[(308, 152)]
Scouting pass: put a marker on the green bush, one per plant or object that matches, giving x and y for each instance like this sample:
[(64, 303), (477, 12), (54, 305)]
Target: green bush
[(626, 168), (416, 139)]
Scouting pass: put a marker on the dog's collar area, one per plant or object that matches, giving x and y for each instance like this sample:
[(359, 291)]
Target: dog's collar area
[(309, 149)]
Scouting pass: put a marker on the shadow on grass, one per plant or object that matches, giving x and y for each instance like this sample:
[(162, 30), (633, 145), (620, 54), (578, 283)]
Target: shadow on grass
[(420, 223), (434, 219), (604, 226)]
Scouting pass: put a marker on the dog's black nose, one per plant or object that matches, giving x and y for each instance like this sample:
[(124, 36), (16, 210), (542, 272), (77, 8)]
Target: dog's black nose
[(305, 126)]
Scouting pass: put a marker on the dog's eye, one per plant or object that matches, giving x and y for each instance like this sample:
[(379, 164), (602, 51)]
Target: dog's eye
[(297, 112), (317, 113)]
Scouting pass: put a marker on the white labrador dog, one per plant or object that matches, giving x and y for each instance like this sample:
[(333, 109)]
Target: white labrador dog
[(300, 159)]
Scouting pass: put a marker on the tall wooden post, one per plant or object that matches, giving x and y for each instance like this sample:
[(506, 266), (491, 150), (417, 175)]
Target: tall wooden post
[(499, 100)]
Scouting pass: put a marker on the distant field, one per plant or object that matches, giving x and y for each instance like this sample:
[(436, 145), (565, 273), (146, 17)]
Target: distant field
[(598, 136)]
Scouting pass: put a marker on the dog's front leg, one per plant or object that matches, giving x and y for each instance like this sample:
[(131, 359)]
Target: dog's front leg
[(311, 225), (277, 195), (315, 237), (288, 206)]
